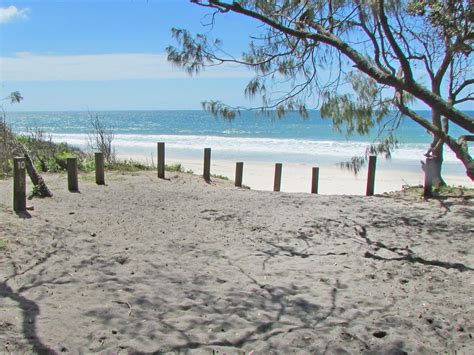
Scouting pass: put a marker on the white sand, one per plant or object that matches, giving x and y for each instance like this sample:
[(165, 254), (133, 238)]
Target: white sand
[(297, 177), (181, 266)]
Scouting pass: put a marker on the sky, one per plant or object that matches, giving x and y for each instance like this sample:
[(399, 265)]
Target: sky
[(110, 55)]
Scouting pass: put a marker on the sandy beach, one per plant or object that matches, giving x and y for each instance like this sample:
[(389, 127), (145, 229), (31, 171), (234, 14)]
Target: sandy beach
[(181, 266), (296, 177)]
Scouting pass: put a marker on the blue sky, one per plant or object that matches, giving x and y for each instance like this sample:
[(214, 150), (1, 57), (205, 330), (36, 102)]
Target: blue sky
[(110, 54)]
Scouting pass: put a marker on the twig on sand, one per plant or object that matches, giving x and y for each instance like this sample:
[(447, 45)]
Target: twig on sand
[(126, 303)]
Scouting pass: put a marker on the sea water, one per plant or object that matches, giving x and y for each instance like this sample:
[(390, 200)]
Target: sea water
[(248, 137)]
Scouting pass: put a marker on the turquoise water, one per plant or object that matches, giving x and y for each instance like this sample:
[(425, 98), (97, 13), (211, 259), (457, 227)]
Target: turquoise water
[(248, 137)]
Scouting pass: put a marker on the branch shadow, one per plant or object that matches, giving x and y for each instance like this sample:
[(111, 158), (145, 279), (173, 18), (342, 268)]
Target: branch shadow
[(406, 254), (241, 307), (30, 312), (416, 259), (240, 314)]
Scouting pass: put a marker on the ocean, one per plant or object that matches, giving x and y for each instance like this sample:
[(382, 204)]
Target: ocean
[(248, 137)]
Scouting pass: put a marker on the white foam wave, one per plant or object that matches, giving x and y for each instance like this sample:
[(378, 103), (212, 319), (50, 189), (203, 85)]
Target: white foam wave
[(336, 149)]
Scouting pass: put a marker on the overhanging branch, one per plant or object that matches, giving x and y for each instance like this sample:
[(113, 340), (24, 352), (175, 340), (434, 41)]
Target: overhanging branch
[(361, 62)]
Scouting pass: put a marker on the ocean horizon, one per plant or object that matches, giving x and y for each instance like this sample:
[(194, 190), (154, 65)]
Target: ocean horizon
[(291, 139)]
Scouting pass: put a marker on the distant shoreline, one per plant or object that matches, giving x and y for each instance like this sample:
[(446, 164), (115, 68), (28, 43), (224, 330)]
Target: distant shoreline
[(260, 143)]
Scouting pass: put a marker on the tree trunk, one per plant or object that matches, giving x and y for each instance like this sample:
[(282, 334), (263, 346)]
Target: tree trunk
[(437, 166), (438, 143), (36, 178), (459, 147)]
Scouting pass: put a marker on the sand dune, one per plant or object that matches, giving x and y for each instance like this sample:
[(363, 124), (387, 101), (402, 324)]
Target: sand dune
[(178, 265)]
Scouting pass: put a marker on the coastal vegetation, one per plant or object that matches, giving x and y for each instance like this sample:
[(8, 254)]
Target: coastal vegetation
[(362, 63), (101, 137), (45, 156), (48, 156), (440, 193)]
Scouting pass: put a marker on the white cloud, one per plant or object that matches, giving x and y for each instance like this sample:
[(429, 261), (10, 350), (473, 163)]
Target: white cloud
[(102, 67), (11, 13)]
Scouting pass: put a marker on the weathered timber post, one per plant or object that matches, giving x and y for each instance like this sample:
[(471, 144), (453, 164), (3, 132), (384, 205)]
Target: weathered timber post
[(161, 160), (239, 169), (428, 188), (371, 176), (19, 185), (315, 181), (207, 164), (72, 182), (277, 180), (99, 169)]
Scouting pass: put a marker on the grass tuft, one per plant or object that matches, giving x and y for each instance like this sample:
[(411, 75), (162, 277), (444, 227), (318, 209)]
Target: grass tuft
[(441, 192), (222, 177), (174, 168), (3, 244), (129, 165)]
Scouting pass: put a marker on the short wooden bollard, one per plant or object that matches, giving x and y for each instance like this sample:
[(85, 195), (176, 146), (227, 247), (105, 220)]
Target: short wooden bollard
[(277, 180), (207, 164), (72, 182), (161, 160), (428, 186), (99, 169), (19, 185), (315, 181), (371, 176), (239, 169)]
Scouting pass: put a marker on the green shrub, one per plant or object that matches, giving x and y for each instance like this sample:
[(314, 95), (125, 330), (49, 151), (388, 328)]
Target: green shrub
[(174, 168), (52, 165), (87, 164), (128, 165), (48, 156)]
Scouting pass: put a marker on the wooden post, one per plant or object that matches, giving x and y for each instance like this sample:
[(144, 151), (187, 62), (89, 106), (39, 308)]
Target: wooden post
[(239, 169), (99, 169), (428, 188), (277, 181), (72, 183), (19, 185), (161, 160), (207, 164), (371, 176), (315, 181)]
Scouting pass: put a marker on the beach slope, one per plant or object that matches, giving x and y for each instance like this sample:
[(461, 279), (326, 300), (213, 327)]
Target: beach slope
[(179, 265)]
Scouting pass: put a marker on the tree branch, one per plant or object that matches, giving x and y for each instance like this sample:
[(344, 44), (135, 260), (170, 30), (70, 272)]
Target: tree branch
[(361, 62), (393, 43), (464, 99), (462, 87), (458, 148)]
